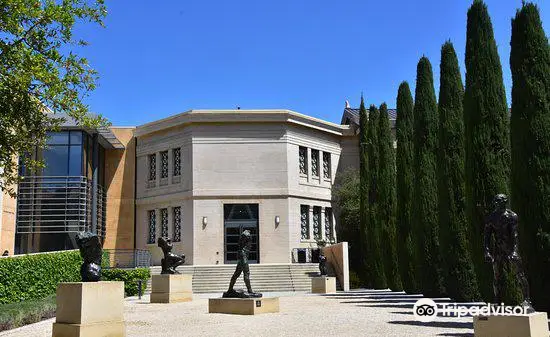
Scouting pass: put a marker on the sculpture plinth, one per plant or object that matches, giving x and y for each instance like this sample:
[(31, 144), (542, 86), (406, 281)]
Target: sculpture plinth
[(323, 285), (529, 325), (243, 306), (171, 288), (90, 309)]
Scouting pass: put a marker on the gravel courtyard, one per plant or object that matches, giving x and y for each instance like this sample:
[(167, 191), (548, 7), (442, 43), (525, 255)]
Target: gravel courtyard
[(355, 313)]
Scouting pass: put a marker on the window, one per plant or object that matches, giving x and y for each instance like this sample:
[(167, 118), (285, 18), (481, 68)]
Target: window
[(177, 224), (164, 222), (303, 160), (304, 221), (153, 166), (63, 155), (329, 235), (315, 163), (152, 227), (317, 222), (176, 155), (326, 165), (164, 164)]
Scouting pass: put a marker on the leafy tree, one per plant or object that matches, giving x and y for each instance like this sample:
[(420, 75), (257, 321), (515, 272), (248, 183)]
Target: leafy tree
[(375, 265), (363, 253), (530, 137), (39, 71), (424, 212), (458, 269), (387, 200), (486, 134), (404, 186)]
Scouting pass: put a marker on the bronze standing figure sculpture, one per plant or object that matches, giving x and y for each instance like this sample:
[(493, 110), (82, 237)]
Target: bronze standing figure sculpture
[(170, 261), (91, 251), (242, 267), (502, 224), (322, 264)]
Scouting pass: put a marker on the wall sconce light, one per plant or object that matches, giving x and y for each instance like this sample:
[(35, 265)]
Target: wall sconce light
[(204, 222), (277, 221)]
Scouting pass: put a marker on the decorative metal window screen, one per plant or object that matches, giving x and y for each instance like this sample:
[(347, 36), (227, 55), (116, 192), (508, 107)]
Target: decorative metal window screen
[(303, 160), (164, 222), (317, 222), (152, 227), (315, 162), (153, 166), (328, 224), (176, 154), (304, 221), (177, 224), (164, 164), (326, 165)]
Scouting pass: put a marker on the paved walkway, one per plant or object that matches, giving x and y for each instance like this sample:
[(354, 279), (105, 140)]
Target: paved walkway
[(356, 313)]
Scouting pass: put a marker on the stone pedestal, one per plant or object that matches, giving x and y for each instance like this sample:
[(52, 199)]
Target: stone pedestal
[(243, 306), (323, 285), (530, 325), (90, 309), (171, 288)]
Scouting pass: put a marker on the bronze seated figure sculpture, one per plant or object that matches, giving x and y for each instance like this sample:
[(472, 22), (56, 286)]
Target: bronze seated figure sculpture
[(242, 267), (91, 251), (170, 261), (502, 225)]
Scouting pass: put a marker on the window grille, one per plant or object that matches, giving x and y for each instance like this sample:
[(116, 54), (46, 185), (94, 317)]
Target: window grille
[(164, 164), (164, 222), (315, 163), (153, 166), (317, 222), (303, 160), (177, 224), (304, 220), (176, 154), (326, 165), (152, 227)]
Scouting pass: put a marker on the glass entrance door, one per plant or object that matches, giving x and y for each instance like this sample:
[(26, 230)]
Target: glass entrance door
[(238, 218)]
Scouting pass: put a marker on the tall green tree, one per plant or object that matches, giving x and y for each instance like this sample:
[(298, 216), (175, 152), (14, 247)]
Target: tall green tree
[(487, 134), (387, 201), (375, 265), (530, 136), (424, 212), (39, 70), (404, 187), (458, 269), (362, 251)]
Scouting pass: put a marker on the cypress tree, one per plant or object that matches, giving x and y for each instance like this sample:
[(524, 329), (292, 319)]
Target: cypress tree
[(424, 213), (362, 251), (486, 134), (404, 186), (387, 200), (458, 270), (530, 136), (375, 259)]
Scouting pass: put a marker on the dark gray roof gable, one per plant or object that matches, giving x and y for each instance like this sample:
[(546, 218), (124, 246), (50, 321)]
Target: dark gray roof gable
[(351, 115)]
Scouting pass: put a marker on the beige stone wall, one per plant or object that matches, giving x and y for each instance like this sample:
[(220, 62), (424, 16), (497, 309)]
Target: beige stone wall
[(338, 262), (119, 184), (7, 227)]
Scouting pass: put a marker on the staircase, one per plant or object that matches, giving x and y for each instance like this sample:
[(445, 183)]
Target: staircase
[(263, 277)]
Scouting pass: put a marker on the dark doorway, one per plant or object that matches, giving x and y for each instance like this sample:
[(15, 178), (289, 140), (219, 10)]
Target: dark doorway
[(237, 218)]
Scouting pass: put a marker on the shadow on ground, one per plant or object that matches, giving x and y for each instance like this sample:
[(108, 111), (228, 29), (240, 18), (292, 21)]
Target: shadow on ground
[(437, 324)]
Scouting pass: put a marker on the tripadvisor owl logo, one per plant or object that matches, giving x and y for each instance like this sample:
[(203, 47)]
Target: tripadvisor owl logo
[(425, 310)]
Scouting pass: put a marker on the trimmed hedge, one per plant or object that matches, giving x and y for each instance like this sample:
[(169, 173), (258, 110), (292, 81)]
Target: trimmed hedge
[(130, 278), (36, 276)]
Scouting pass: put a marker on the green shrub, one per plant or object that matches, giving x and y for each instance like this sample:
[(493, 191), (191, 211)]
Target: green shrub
[(36, 276), (130, 278), (14, 315)]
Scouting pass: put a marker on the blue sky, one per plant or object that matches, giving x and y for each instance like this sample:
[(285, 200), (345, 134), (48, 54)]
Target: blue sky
[(159, 58)]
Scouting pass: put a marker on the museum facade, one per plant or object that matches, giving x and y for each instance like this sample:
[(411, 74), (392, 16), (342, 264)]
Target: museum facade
[(200, 178)]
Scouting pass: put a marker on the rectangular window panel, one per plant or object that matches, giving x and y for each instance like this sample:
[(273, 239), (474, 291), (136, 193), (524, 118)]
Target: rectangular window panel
[(56, 160), (164, 164), (315, 163), (57, 138), (75, 160), (317, 222), (326, 165), (164, 222), (328, 224), (177, 224), (304, 221), (303, 160), (152, 227), (177, 161), (153, 166), (76, 137)]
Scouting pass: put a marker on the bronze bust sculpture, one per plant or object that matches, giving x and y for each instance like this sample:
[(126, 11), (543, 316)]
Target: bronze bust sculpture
[(170, 261), (242, 267), (91, 251), (502, 225)]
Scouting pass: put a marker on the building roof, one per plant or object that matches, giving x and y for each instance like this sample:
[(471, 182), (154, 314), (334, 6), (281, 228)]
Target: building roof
[(351, 115), (106, 137)]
